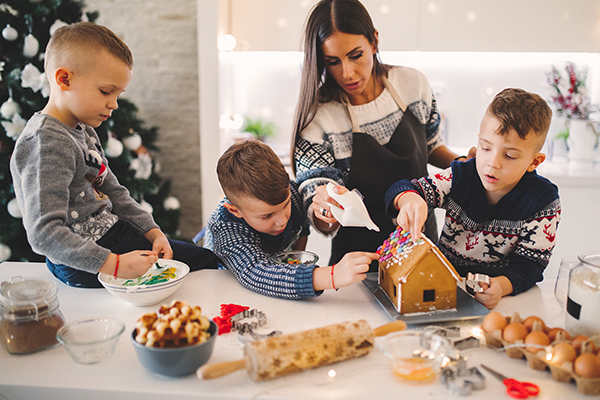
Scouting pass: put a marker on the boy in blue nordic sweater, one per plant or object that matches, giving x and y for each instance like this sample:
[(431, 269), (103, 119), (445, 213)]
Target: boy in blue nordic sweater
[(261, 215), (501, 216)]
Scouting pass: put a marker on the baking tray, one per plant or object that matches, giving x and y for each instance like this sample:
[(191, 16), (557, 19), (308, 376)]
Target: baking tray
[(466, 306)]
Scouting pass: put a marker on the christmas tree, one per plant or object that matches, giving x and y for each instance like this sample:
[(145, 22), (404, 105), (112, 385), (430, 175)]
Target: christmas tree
[(26, 28)]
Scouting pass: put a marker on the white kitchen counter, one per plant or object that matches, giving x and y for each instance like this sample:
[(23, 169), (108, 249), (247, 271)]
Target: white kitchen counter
[(52, 374)]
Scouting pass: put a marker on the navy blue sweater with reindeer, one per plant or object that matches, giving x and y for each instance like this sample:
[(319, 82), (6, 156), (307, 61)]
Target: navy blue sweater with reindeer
[(514, 237), (67, 194)]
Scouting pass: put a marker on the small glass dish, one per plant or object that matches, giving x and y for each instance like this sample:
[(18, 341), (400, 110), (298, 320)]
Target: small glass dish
[(295, 257), (408, 360), (91, 341)]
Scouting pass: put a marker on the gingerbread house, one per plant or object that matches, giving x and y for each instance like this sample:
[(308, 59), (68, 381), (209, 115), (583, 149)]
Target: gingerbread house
[(416, 276)]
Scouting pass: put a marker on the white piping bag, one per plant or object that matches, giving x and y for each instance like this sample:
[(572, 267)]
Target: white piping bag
[(354, 213)]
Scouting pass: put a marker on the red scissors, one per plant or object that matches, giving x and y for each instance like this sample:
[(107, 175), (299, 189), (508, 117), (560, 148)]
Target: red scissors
[(515, 388)]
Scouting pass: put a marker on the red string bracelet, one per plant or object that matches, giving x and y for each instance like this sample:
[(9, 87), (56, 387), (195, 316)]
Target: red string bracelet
[(402, 194), (332, 283), (117, 267)]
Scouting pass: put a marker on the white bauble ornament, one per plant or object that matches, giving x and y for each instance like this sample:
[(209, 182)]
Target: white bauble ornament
[(114, 148), (4, 252), (171, 203), (31, 46), (133, 142), (9, 108), (146, 207), (13, 209), (57, 24), (9, 33)]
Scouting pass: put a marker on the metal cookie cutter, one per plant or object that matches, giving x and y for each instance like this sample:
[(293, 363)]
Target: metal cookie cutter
[(245, 328), (472, 283), (461, 380)]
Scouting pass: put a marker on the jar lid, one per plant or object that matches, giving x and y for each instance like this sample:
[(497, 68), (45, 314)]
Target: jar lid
[(23, 297)]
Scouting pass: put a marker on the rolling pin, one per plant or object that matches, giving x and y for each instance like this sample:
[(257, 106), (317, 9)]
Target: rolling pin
[(282, 355)]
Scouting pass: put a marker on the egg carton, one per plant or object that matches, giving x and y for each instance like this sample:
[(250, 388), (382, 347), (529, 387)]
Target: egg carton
[(563, 373)]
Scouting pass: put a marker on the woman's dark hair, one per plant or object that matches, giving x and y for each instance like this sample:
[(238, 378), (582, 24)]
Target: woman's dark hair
[(326, 18)]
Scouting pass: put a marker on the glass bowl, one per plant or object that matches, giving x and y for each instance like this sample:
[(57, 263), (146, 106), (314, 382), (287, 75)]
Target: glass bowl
[(408, 360), (295, 257), (91, 341)]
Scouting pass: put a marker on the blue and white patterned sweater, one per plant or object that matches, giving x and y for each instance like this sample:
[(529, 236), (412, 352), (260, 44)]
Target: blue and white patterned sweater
[(324, 148), (514, 237), (247, 252)]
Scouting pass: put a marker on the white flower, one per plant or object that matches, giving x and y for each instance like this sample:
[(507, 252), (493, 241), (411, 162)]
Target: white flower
[(15, 127), (142, 165), (31, 77)]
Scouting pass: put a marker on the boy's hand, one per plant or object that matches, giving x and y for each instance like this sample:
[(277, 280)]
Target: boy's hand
[(135, 263), (160, 243), (412, 212), (491, 295), (321, 209), (352, 268)]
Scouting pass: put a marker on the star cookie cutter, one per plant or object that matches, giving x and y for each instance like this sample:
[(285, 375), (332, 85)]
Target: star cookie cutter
[(472, 283), (247, 328)]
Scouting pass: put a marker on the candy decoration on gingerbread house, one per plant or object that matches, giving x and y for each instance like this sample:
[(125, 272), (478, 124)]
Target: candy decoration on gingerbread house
[(416, 276)]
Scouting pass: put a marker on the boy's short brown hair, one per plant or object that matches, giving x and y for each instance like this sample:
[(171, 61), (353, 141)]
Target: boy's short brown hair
[(251, 168), (73, 45), (522, 111)]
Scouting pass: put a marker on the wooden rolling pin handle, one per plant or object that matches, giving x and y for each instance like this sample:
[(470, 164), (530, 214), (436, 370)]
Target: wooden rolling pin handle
[(217, 370), (395, 326)]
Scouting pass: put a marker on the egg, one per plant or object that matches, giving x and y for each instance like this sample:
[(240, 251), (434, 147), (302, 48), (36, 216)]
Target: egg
[(493, 321), (514, 331), (587, 365), (538, 341), (530, 321), (577, 341), (553, 334), (561, 353)]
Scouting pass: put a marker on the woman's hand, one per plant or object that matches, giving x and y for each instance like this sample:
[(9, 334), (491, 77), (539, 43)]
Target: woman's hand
[(321, 208)]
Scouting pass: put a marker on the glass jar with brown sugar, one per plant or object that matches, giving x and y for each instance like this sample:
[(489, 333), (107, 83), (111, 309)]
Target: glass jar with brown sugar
[(30, 316)]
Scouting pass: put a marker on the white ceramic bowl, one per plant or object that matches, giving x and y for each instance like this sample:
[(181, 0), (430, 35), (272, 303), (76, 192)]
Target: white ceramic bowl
[(139, 292), (91, 341)]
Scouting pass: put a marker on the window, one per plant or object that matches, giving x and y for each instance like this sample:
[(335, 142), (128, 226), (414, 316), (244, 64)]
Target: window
[(428, 295)]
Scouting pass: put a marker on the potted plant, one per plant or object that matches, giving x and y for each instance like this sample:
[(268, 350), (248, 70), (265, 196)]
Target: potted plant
[(258, 128), (572, 100)]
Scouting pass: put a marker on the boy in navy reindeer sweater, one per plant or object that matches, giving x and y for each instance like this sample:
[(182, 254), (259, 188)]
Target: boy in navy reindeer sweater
[(501, 216)]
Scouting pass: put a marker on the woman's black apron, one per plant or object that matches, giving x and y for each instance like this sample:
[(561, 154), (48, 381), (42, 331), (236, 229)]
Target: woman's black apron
[(373, 169)]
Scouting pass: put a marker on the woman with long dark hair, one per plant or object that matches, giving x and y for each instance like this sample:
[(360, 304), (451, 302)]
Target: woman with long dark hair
[(359, 123)]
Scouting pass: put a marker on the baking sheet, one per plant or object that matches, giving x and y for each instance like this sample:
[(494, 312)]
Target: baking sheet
[(466, 306)]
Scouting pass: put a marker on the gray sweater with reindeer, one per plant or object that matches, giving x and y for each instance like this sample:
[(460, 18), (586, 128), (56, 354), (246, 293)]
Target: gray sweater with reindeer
[(514, 237), (68, 196)]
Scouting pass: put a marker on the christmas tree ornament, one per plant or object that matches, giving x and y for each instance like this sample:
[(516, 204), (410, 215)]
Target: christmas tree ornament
[(133, 142), (13, 209), (30, 46), (14, 127), (9, 33), (31, 77), (9, 108), (142, 165), (171, 203), (57, 24), (114, 147), (4, 252)]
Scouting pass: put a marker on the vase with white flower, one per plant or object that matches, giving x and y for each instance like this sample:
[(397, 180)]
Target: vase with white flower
[(572, 100)]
